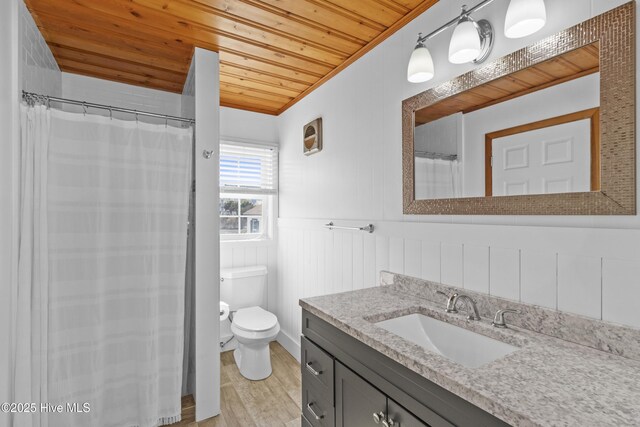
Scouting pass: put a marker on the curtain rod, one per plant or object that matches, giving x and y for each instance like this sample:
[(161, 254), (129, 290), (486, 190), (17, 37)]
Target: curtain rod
[(435, 156), (34, 97)]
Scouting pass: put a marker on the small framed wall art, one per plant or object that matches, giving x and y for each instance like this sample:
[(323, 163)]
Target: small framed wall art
[(312, 142)]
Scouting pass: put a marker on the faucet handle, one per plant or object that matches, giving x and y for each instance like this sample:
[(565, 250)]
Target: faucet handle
[(498, 320), (451, 298)]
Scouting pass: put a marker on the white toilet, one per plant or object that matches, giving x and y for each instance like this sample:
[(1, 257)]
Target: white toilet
[(244, 289)]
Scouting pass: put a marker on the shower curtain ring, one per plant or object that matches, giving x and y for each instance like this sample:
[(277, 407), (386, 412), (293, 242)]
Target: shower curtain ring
[(84, 108), (110, 113), (166, 121)]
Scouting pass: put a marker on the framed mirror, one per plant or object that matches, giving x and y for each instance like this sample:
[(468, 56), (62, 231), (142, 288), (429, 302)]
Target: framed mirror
[(546, 130)]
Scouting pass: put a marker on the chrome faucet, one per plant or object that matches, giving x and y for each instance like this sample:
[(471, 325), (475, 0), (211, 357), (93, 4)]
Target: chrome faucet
[(452, 304), (475, 315)]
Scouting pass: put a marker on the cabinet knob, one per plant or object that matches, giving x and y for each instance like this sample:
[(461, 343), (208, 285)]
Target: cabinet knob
[(378, 416), (388, 422)]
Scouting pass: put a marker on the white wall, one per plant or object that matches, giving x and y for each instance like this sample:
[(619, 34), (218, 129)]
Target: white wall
[(9, 88), (239, 125), (99, 91), (357, 178), (39, 71), (27, 64), (207, 250), (248, 126), (443, 136)]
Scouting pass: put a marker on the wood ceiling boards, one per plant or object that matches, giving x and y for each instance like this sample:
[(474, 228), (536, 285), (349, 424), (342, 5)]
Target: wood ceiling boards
[(272, 52)]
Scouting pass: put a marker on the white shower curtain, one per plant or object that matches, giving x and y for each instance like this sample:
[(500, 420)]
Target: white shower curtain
[(117, 204), (31, 314), (437, 178)]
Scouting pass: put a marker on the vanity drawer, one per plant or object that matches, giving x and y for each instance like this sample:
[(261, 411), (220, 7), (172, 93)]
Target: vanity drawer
[(317, 368), (304, 422), (316, 408)]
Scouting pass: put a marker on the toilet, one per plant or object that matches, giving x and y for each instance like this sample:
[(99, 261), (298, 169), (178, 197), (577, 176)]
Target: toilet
[(244, 289)]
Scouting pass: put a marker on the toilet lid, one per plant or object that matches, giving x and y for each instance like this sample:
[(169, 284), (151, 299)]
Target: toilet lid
[(254, 319)]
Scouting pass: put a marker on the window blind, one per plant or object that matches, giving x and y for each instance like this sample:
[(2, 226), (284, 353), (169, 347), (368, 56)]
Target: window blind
[(248, 169)]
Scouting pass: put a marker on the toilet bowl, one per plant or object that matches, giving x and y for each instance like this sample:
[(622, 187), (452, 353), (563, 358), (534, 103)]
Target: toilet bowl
[(254, 328), (244, 289)]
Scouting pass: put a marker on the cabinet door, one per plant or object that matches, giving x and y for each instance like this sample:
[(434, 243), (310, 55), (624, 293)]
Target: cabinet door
[(401, 417), (356, 400)]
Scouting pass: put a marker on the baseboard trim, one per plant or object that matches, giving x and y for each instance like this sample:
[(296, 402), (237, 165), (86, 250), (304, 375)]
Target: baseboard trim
[(289, 344)]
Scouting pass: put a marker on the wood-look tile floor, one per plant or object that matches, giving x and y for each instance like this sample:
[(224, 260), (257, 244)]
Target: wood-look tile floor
[(273, 402)]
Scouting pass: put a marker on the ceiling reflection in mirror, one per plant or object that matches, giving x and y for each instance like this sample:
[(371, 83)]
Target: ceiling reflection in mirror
[(535, 131)]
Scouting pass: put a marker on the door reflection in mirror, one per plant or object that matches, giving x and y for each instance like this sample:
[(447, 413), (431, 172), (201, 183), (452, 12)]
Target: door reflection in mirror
[(535, 131)]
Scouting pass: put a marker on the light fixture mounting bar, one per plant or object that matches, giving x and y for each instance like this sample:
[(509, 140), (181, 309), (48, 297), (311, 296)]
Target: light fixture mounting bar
[(454, 21)]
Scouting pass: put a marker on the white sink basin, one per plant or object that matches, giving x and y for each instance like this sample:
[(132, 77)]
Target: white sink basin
[(458, 344)]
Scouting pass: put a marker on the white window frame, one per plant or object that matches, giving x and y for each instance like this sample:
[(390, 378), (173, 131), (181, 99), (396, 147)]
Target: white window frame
[(269, 201)]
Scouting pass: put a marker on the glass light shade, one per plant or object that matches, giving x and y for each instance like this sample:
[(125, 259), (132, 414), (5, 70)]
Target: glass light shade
[(420, 67), (465, 43), (524, 17)]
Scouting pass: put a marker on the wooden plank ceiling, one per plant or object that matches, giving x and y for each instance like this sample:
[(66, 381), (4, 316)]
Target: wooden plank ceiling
[(272, 52), (562, 68)]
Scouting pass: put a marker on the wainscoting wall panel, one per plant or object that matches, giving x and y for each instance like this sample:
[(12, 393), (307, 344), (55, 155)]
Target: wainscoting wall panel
[(559, 268)]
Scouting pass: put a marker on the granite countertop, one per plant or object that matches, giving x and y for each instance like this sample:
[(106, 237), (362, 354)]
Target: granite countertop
[(547, 382)]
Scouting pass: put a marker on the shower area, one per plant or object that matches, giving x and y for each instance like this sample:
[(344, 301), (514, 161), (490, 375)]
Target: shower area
[(438, 166), (106, 261), (102, 262)]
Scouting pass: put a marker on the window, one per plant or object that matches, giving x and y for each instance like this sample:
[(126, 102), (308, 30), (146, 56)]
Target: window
[(248, 187)]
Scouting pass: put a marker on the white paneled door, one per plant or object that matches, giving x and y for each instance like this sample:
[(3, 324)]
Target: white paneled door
[(554, 159)]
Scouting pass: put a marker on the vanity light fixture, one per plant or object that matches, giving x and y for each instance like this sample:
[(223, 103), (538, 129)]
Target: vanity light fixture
[(420, 64), (472, 40)]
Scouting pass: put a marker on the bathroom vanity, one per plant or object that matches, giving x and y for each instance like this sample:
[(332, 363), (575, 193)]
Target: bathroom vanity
[(366, 387), (364, 363)]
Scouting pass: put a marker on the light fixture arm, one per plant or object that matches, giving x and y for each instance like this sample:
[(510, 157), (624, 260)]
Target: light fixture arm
[(454, 21)]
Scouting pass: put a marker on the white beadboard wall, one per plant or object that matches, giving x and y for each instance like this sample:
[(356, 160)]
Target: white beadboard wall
[(594, 272), (587, 265)]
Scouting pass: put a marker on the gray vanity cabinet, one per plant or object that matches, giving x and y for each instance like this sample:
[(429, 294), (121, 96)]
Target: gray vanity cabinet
[(358, 402), (402, 417), (345, 382)]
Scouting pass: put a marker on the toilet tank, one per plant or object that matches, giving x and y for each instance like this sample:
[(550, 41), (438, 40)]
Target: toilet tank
[(243, 287)]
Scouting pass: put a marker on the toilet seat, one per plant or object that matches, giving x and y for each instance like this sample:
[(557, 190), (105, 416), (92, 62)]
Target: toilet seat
[(254, 328), (254, 319)]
